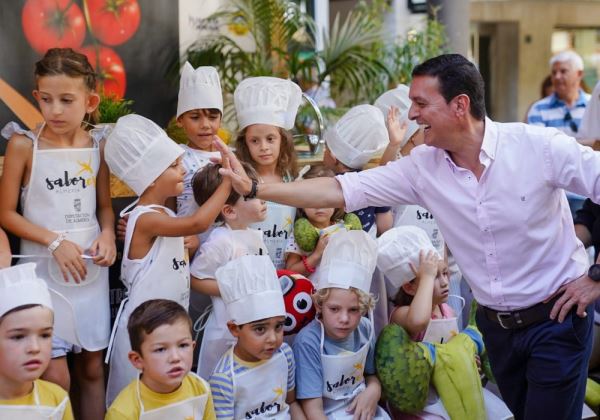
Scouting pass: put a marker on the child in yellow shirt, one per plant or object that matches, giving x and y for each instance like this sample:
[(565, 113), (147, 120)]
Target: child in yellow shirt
[(160, 332), (26, 324)]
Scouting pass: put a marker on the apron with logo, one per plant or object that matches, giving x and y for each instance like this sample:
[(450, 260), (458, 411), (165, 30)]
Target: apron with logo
[(343, 379), (34, 412), (61, 196), (190, 409), (166, 276), (277, 228), (217, 338), (441, 330), (261, 392)]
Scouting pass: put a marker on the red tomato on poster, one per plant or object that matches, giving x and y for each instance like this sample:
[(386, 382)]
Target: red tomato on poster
[(113, 21), (109, 68), (52, 23)]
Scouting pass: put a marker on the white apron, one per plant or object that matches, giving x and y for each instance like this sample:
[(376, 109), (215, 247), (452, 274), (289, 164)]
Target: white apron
[(277, 228), (495, 408), (413, 215), (441, 330), (191, 409), (343, 379), (61, 196), (261, 392), (217, 338), (165, 276), (34, 412)]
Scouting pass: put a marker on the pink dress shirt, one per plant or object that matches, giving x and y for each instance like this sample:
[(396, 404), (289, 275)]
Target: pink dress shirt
[(511, 232)]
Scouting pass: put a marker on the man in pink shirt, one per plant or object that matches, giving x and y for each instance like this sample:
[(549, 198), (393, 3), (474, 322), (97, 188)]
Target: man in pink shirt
[(497, 193)]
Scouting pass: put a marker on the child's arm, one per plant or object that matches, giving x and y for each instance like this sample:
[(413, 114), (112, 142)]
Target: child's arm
[(384, 222), (295, 409), (104, 248), (5, 253), (294, 262), (396, 132), (364, 405), (205, 286), (415, 317), (313, 408), (158, 224), (16, 161)]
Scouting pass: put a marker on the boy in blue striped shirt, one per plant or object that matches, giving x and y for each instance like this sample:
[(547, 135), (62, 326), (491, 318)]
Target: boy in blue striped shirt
[(255, 378)]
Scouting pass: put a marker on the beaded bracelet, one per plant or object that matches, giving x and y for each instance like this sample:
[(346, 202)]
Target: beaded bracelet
[(307, 265)]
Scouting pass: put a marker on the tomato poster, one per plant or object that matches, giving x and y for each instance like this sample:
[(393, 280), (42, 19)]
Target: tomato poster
[(130, 43)]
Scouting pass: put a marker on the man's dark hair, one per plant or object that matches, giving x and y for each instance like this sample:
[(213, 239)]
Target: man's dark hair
[(152, 314), (456, 76)]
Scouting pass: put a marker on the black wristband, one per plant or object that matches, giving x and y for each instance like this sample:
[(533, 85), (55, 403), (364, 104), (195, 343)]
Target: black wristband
[(252, 193)]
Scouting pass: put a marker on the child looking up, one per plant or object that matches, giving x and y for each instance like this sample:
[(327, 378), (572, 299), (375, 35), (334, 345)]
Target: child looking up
[(297, 259), (335, 369), (26, 318), (266, 109), (59, 174), (359, 136), (162, 348), (155, 264), (227, 242), (255, 377)]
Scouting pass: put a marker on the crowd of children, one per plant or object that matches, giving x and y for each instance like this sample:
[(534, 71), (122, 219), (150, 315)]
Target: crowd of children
[(190, 234)]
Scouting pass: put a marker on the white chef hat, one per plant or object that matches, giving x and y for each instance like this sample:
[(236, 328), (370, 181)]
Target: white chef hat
[(250, 288), (199, 89), (398, 97), (358, 136), (398, 248), (267, 100), (137, 151), (348, 261), (589, 129), (20, 285)]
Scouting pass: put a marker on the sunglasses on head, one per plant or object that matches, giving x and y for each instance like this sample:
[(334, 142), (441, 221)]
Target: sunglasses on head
[(572, 125)]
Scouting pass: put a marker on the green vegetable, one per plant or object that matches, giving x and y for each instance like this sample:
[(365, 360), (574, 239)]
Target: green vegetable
[(112, 108), (404, 368), (352, 222), (306, 234)]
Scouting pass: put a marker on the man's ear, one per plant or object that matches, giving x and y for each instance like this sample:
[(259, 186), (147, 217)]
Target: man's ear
[(136, 360), (462, 104), (234, 329)]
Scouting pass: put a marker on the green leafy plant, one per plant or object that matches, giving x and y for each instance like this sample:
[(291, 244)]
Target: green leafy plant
[(111, 108)]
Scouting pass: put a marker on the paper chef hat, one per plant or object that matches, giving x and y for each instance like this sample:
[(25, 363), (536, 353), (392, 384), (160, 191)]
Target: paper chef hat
[(358, 136), (267, 100), (199, 89), (348, 261), (398, 97), (20, 285), (137, 151), (250, 289), (398, 248)]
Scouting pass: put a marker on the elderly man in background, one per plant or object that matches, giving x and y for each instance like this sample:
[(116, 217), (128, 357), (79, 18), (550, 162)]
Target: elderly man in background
[(564, 108)]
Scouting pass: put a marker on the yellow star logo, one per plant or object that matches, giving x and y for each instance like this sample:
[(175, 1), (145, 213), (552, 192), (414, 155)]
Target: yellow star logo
[(288, 222), (358, 366), (85, 166), (278, 391)]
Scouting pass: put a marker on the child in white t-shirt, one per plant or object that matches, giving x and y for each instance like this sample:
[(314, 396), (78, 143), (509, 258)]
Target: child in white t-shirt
[(231, 240)]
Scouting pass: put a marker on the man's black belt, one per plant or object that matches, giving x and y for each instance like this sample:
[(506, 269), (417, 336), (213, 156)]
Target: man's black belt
[(521, 318)]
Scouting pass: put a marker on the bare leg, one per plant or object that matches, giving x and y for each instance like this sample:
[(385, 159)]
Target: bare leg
[(89, 373)]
